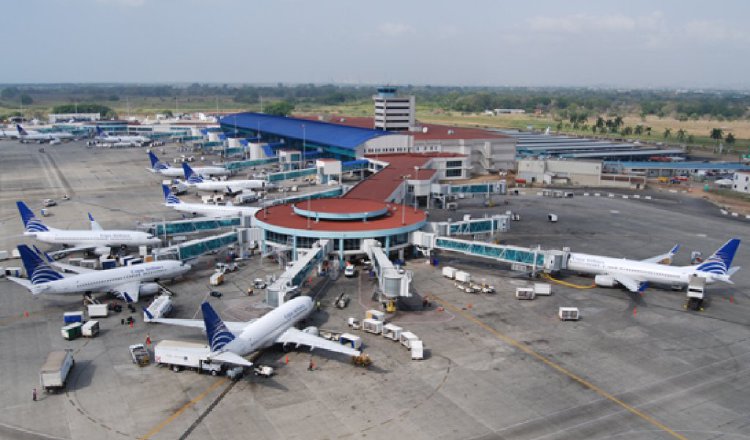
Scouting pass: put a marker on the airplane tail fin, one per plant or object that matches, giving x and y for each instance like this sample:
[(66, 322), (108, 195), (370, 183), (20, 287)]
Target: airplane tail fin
[(99, 131), (21, 131), (38, 270), (30, 222), (190, 175), (216, 331), (95, 226), (169, 198), (156, 164), (720, 262)]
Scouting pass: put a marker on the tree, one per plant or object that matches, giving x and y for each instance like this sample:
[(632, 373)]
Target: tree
[(681, 135), (717, 134), (599, 122), (690, 139), (730, 139), (667, 133), (627, 131), (638, 130), (279, 108), (26, 99), (648, 131)]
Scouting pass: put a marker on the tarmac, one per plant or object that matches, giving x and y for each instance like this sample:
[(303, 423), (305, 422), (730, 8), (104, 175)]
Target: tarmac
[(633, 367)]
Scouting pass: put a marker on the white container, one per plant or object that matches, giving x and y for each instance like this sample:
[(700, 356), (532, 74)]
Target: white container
[(98, 310), (464, 277), (142, 251), (392, 331), (407, 338), (90, 263), (417, 350), (449, 272), (350, 340), (569, 314), (4, 255), (372, 326), (159, 308), (135, 261), (15, 253), (376, 315), (90, 329), (354, 323), (13, 271), (76, 261), (542, 289), (525, 293), (55, 370)]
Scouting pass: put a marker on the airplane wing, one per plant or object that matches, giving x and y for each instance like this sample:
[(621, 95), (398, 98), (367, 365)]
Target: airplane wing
[(233, 326), (629, 283), (298, 337), (70, 268), (22, 281), (63, 252), (231, 358), (128, 291), (663, 258)]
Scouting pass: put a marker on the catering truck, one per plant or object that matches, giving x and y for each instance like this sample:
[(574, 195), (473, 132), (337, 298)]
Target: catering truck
[(179, 355)]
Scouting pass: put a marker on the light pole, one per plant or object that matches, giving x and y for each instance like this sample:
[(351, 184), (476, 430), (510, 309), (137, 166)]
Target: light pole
[(416, 177), (403, 199), (302, 158)]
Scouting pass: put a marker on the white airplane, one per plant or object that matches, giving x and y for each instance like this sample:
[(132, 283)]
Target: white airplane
[(97, 239), (56, 137), (125, 140), (5, 134), (231, 341), (231, 186), (203, 209), (160, 167), (127, 282), (636, 275)]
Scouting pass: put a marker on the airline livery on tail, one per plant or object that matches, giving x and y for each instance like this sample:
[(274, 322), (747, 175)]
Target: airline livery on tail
[(231, 186), (229, 210)]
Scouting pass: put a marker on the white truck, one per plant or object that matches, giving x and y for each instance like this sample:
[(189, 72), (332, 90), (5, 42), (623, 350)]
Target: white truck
[(179, 355), (55, 370)]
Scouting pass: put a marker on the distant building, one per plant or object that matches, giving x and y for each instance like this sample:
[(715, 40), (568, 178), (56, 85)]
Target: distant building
[(55, 118), (393, 112), (509, 111), (741, 182)]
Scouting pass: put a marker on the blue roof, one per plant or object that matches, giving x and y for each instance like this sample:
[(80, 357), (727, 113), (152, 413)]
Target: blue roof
[(315, 132), (683, 165)]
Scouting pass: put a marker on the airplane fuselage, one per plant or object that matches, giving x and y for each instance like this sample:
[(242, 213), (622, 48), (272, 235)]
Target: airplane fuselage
[(83, 238), (234, 185), (213, 210)]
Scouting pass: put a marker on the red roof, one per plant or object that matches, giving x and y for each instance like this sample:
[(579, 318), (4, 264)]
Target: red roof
[(284, 216), (382, 184), (434, 131)]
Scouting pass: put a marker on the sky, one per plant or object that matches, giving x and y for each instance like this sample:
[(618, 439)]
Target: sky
[(602, 43)]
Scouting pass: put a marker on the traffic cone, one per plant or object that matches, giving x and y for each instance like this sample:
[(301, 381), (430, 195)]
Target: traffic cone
[(25, 313), (131, 324), (731, 299), (148, 340), (287, 360), (635, 311)]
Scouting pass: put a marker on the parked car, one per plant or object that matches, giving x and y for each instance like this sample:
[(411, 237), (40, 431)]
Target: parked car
[(215, 294)]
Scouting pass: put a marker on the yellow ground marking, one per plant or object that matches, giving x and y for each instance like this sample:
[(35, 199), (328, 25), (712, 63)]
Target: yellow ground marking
[(177, 413), (560, 369), (567, 284)]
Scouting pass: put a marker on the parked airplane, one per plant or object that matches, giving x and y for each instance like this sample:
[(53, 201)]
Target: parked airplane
[(231, 341), (229, 210), (56, 137), (635, 275), (6, 134), (127, 282), (230, 186), (119, 140), (160, 167), (97, 239)]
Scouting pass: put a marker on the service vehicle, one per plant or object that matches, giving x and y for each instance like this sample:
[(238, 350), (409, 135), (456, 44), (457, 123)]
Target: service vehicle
[(54, 372)]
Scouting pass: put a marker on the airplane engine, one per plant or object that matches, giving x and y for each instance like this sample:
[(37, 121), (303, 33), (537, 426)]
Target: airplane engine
[(102, 250), (605, 281), (149, 289), (312, 330)]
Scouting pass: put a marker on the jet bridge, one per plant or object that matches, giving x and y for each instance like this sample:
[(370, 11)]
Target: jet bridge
[(195, 248), (392, 282), (520, 258), (292, 278), (193, 226)]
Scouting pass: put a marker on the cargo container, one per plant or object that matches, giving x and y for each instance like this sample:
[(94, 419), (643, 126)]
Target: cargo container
[(90, 263), (71, 331), (525, 293), (54, 372), (71, 317), (179, 355), (159, 308), (98, 310), (463, 277), (407, 338), (376, 315), (392, 331), (449, 272), (4, 255), (13, 272), (417, 350), (108, 263), (135, 261), (569, 314), (542, 289), (90, 329), (372, 326)]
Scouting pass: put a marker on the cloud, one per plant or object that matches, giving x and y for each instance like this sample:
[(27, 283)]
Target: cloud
[(392, 29), (580, 23), (713, 31)]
